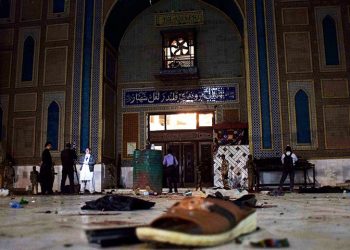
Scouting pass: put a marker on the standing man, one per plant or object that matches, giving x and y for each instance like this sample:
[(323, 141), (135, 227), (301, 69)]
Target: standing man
[(87, 172), (46, 176), (288, 160), (170, 163), (9, 176), (251, 167), (224, 171), (34, 179), (68, 157)]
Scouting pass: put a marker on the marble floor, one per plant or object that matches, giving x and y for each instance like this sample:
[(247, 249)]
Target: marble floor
[(309, 221)]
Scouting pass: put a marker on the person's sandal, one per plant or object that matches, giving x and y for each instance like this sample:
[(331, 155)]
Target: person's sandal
[(196, 221)]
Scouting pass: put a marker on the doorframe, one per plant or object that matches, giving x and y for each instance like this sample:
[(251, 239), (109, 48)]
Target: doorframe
[(181, 166)]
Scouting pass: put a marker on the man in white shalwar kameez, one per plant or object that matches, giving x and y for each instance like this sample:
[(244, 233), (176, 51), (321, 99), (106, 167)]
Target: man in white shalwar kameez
[(87, 172)]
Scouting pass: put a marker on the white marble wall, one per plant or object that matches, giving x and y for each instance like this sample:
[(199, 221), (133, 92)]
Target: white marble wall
[(126, 177), (329, 172), (332, 171), (23, 177)]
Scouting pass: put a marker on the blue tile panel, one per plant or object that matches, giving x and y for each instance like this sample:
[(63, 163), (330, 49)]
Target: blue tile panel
[(271, 72), (330, 41), (53, 119), (79, 27), (95, 80), (274, 79), (58, 6), (302, 117), (263, 76), (28, 59), (86, 81)]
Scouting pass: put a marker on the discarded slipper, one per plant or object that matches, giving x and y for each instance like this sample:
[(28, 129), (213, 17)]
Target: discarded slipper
[(197, 221), (247, 200)]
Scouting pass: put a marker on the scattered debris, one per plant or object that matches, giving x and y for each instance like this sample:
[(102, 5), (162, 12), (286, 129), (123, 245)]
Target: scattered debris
[(271, 243), (4, 192), (15, 204), (117, 203), (113, 236), (276, 192), (322, 190), (188, 193), (23, 201), (110, 223)]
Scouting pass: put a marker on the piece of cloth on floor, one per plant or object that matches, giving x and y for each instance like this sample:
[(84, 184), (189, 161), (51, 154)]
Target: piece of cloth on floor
[(324, 189), (117, 203)]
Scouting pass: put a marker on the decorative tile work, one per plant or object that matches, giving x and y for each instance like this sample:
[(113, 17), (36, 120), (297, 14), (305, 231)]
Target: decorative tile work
[(54, 75), (23, 138), (297, 49), (295, 16), (60, 99), (95, 80), (263, 76), (25, 102), (79, 17), (31, 10), (254, 80), (336, 126), (86, 84), (274, 81), (207, 94), (335, 13), (335, 88), (57, 32), (237, 156), (253, 75), (24, 33), (308, 88)]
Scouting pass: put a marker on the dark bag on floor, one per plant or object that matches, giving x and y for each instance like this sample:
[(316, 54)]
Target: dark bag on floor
[(117, 203)]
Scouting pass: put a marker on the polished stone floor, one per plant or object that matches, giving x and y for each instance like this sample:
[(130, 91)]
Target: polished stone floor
[(309, 221)]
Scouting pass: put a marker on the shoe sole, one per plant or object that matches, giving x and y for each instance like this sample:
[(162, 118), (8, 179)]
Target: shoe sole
[(151, 234)]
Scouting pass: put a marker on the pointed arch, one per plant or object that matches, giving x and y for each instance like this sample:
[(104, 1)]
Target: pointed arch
[(28, 59), (302, 113), (330, 40), (58, 6), (53, 119)]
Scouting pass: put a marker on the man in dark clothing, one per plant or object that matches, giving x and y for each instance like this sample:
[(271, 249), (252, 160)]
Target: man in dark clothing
[(170, 163), (68, 157), (46, 175), (288, 160)]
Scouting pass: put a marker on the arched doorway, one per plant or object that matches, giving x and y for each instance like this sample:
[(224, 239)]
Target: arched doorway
[(169, 58)]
